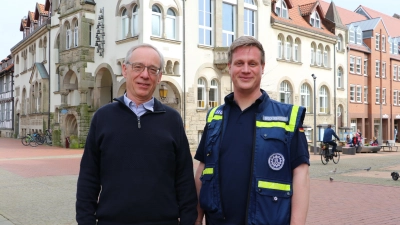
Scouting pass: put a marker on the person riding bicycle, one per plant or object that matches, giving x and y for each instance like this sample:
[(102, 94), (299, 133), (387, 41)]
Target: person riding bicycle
[(329, 132)]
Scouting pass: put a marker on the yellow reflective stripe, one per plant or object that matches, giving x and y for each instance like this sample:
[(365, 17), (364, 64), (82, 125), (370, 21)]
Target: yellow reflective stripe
[(212, 117), (208, 171), (273, 185), (289, 127)]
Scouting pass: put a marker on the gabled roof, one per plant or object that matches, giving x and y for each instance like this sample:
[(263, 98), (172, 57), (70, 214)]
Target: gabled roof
[(297, 20), (366, 24), (47, 5), (333, 15), (23, 24), (40, 11), (391, 23), (346, 16), (31, 18)]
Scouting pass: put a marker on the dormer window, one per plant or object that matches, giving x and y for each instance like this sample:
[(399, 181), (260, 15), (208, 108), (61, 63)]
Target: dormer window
[(395, 46), (359, 36), (390, 41), (281, 9), (315, 20)]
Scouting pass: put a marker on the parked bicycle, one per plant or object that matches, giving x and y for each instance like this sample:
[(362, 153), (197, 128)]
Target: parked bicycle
[(325, 156), (30, 140), (46, 138)]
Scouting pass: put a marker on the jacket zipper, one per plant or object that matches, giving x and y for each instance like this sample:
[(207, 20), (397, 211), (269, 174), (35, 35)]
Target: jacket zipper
[(219, 155), (252, 172), (138, 122)]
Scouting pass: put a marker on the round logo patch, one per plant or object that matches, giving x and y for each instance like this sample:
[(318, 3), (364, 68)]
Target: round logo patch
[(276, 161)]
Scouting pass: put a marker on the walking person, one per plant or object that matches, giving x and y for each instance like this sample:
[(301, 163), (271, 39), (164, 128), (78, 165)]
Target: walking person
[(253, 153), (137, 167), (395, 134)]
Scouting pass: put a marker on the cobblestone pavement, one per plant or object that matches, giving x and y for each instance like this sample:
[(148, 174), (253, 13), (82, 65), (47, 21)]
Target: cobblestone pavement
[(38, 187)]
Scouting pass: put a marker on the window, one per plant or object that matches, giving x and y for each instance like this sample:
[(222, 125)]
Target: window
[(398, 73), (358, 93), (377, 95), (90, 35), (76, 34), (315, 20), (288, 52), (213, 94), (351, 35), (351, 64), (377, 67), (124, 24), (377, 41), (395, 97), (319, 56), (280, 47), (390, 41), (135, 21), (285, 92), (366, 67), (384, 70), (383, 95), (68, 36), (339, 43), (396, 46), (359, 35), (352, 93), (365, 94), (340, 78), (228, 24), (394, 72), (205, 22), (358, 65), (249, 18), (383, 43), (305, 97), (170, 24), (323, 100), (326, 57), (297, 50), (281, 9), (156, 21), (201, 91), (313, 48)]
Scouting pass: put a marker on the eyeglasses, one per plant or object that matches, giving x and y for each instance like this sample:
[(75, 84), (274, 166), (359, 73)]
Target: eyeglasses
[(139, 67)]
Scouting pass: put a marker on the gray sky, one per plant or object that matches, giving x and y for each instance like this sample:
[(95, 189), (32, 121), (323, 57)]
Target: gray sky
[(12, 12)]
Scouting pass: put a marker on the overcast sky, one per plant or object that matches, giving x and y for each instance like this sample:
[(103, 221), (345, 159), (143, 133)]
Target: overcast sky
[(13, 11)]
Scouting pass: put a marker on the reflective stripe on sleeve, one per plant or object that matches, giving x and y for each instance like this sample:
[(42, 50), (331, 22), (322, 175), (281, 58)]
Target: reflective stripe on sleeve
[(212, 117), (208, 171), (288, 127)]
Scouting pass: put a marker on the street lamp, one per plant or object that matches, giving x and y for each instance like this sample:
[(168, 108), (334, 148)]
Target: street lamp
[(315, 117)]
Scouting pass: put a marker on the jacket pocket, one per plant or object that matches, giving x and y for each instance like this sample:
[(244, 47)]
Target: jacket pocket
[(273, 202), (208, 191)]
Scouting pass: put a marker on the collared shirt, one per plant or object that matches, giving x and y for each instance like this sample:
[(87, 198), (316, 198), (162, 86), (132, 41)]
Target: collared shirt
[(141, 109)]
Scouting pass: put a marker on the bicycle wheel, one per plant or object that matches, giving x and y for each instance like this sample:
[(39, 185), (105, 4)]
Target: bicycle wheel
[(336, 157), (25, 140), (40, 139), (323, 158), (33, 142)]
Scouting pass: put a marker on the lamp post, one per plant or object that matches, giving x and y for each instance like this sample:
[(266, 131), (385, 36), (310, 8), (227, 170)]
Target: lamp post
[(315, 117)]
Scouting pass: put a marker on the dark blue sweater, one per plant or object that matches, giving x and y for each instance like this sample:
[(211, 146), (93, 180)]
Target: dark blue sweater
[(132, 175)]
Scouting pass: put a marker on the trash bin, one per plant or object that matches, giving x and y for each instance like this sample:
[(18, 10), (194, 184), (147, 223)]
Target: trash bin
[(67, 142)]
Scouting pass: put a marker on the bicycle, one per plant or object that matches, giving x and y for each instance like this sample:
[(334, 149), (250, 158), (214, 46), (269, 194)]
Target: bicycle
[(325, 157), (30, 140)]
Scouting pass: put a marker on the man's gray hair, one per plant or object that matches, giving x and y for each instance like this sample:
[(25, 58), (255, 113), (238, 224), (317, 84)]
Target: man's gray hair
[(246, 41), (145, 45)]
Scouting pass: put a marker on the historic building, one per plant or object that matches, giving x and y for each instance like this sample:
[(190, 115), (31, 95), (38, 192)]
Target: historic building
[(6, 97)]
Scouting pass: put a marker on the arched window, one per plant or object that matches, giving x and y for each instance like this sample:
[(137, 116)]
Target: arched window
[(320, 51), (323, 100), (288, 48), (313, 49), (285, 93), (305, 96), (340, 78), (201, 93), (326, 56), (76, 33), (280, 47), (170, 24), (352, 34), (135, 21), (297, 50), (213, 94), (156, 21), (339, 42), (124, 23), (359, 36), (249, 18), (281, 9), (315, 20), (68, 36)]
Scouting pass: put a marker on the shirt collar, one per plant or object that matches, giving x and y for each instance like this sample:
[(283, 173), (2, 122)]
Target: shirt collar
[(149, 105)]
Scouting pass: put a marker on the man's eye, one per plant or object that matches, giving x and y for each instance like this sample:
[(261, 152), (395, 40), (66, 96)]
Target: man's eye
[(239, 63), (153, 70), (137, 67)]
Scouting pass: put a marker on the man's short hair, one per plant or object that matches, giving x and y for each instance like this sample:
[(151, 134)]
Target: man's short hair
[(145, 45), (329, 126), (246, 41)]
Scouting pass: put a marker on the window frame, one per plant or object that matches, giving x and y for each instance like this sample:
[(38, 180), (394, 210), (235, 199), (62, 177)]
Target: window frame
[(206, 29), (228, 36), (323, 100), (358, 93), (366, 94), (172, 18), (156, 16), (305, 93), (352, 93), (201, 86)]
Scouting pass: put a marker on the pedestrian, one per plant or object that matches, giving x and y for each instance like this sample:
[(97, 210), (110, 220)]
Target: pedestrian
[(253, 153), (359, 137), (137, 167), (328, 133), (395, 133)]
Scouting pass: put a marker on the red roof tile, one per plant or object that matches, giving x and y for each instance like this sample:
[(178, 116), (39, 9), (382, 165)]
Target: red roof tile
[(346, 16), (306, 9), (297, 20), (392, 24)]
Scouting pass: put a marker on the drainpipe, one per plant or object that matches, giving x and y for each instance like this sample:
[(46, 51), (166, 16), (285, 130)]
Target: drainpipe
[(184, 65), (347, 85), (49, 57), (12, 98), (334, 86), (380, 87)]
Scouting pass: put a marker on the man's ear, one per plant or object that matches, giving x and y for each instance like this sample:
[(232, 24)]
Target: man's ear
[(124, 68)]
